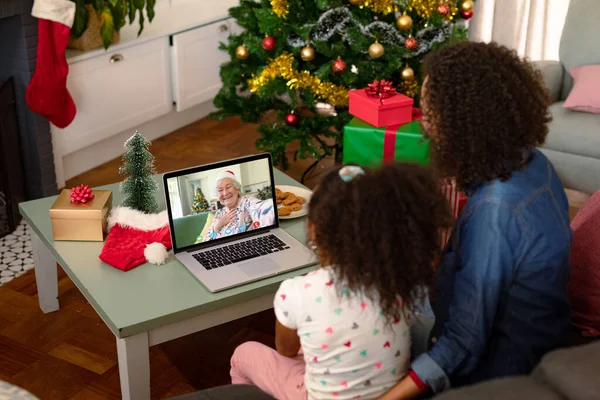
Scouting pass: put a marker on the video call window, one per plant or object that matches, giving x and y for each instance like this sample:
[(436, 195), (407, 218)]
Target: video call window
[(221, 202)]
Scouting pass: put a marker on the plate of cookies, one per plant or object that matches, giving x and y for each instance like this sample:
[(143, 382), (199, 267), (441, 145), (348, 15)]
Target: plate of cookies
[(292, 201)]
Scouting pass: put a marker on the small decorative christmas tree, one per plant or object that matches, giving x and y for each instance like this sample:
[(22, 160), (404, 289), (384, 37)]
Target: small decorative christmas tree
[(139, 187), (200, 204)]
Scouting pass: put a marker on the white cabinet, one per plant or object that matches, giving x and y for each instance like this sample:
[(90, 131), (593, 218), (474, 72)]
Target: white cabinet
[(116, 91), (196, 62)]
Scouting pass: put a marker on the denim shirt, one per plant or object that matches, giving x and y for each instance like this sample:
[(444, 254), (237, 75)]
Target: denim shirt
[(500, 297)]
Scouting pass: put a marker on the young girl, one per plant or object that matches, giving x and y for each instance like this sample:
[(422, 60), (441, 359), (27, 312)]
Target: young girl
[(342, 331)]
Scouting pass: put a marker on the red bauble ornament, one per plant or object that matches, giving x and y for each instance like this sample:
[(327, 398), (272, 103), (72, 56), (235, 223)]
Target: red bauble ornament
[(81, 194), (268, 43), (338, 66), (411, 43), (466, 14), (291, 119), (443, 9)]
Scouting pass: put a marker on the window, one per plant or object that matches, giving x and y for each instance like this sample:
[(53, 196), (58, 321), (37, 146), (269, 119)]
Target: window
[(175, 198)]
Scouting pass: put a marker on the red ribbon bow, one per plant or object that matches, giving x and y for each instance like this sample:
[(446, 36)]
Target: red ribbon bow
[(382, 89)]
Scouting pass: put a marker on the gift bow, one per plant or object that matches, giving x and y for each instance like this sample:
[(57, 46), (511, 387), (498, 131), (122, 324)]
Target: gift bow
[(382, 89)]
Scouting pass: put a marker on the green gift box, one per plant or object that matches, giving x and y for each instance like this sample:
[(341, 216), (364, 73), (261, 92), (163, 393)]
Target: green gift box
[(366, 145)]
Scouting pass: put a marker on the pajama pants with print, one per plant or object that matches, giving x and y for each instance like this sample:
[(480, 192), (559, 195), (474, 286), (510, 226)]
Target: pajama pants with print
[(279, 376)]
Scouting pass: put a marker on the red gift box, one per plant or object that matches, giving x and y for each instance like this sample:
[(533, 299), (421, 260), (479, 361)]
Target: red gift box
[(457, 201), (379, 111)]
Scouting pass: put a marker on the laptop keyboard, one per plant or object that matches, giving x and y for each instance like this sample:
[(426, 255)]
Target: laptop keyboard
[(238, 252)]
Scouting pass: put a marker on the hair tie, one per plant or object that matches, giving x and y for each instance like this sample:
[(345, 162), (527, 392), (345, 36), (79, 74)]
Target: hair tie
[(350, 172)]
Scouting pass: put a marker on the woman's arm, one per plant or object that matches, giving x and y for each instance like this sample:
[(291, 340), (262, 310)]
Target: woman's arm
[(287, 341), (486, 265)]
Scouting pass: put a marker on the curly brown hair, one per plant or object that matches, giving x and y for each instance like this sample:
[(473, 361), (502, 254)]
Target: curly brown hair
[(484, 105), (379, 232)]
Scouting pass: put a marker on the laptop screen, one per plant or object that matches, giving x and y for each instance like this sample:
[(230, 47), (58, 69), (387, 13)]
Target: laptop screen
[(223, 202)]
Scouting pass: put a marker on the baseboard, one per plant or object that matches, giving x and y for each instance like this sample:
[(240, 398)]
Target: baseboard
[(93, 156)]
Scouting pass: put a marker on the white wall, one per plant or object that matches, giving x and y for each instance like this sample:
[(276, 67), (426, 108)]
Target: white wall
[(255, 173)]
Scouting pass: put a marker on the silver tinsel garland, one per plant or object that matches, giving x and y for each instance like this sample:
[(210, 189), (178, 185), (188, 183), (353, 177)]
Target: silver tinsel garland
[(338, 20)]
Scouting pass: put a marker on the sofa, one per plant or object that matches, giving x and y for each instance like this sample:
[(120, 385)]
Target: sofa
[(188, 228), (570, 373), (573, 143)]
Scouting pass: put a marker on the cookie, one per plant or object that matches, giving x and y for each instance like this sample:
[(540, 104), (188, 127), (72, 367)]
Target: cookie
[(286, 195), (289, 200), (279, 200), (284, 211), (278, 192), (300, 200), (295, 207)]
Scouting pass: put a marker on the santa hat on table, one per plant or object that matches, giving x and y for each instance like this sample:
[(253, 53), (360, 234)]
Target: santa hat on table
[(47, 92), (135, 238)]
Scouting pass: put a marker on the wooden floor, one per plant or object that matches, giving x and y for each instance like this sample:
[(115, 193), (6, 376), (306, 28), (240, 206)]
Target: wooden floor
[(71, 354)]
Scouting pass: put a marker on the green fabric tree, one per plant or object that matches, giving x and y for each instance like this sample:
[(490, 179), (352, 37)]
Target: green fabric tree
[(139, 188), (297, 59), (200, 204)]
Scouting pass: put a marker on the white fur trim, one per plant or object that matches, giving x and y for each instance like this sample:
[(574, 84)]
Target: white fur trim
[(61, 11), (156, 253), (128, 217)]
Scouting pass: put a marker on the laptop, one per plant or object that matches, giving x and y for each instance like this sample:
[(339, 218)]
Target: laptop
[(223, 231)]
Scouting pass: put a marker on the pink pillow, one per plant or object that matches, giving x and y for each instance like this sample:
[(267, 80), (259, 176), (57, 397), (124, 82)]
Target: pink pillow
[(585, 95)]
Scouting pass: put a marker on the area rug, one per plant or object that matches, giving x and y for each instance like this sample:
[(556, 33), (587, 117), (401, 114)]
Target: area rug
[(16, 256)]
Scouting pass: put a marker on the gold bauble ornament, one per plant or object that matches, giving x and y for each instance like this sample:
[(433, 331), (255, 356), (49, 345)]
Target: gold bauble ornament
[(355, 2), (407, 74), (467, 6), (404, 22), (242, 52), (376, 50), (307, 53)]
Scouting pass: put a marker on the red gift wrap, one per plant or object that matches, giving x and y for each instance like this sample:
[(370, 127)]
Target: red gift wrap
[(380, 105)]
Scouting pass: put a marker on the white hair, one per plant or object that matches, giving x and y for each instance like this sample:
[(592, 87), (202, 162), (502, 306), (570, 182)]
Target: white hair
[(234, 182)]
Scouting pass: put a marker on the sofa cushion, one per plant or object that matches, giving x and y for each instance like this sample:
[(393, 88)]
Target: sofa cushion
[(228, 392), (584, 282), (585, 95), (573, 372), (579, 44), (574, 132), (514, 388)]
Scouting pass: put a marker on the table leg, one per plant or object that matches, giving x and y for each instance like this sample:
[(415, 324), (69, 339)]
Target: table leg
[(134, 366), (46, 275)]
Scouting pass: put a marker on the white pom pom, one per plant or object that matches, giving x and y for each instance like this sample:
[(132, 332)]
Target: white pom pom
[(156, 253)]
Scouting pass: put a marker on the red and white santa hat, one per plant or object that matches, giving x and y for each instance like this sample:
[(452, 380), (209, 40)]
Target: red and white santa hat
[(135, 238), (227, 175)]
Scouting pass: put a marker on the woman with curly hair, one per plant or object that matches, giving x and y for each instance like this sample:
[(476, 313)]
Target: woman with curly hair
[(500, 297), (343, 331)]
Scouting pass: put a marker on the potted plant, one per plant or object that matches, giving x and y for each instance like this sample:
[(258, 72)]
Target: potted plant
[(98, 22)]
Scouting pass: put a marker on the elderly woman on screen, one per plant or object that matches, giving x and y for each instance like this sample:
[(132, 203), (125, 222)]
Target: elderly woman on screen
[(239, 213)]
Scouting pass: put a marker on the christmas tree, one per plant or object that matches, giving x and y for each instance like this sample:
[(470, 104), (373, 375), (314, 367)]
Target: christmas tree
[(200, 204), (300, 58), (139, 187)]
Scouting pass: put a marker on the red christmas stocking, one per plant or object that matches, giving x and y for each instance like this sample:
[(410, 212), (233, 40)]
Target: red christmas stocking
[(47, 92)]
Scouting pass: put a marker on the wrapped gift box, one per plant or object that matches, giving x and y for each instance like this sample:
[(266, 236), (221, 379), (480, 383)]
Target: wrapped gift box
[(81, 222), (367, 145), (394, 110)]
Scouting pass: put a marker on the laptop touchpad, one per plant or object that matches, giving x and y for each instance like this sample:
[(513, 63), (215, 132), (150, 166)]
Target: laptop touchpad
[(262, 267)]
